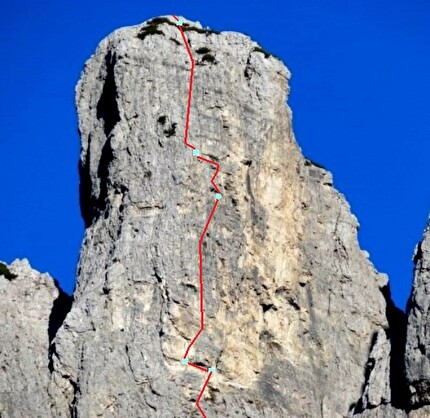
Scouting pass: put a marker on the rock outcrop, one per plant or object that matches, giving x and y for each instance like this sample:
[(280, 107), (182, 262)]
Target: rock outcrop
[(31, 307), (293, 305)]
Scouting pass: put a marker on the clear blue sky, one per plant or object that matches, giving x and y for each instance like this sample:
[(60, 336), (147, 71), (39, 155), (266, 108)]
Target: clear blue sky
[(360, 97)]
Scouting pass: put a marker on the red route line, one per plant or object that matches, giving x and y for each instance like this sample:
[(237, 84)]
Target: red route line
[(201, 394), (190, 89), (202, 314), (203, 369), (216, 171), (202, 236)]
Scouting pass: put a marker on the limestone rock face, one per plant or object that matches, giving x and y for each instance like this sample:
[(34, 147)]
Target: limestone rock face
[(378, 390), (291, 302), (417, 355), (26, 322), (297, 321)]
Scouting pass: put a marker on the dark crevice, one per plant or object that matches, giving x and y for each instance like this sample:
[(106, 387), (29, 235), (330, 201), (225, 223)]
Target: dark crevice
[(189, 286), (60, 308), (266, 306), (358, 407), (106, 158), (157, 275), (203, 50), (107, 107), (51, 351), (396, 333), (108, 112), (73, 405), (85, 198), (199, 363)]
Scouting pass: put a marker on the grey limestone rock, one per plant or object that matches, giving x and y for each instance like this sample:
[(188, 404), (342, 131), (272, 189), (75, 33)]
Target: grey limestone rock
[(293, 306), (291, 302), (417, 355), (26, 323), (378, 391)]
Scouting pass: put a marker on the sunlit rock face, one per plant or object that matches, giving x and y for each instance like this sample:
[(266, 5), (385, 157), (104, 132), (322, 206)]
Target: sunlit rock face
[(291, 302), (298, 323)]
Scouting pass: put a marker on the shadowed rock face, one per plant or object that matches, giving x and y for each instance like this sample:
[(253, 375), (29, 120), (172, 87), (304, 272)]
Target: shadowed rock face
[(293, 306)]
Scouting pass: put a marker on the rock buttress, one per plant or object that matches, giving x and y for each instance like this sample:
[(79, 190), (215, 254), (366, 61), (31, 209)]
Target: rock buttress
[(292, 302)]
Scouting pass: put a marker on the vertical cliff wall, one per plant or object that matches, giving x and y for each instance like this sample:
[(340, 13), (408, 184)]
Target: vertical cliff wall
[(292, 302)]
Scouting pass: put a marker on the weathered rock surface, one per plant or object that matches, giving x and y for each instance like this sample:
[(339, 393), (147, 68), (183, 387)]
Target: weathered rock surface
[(417, 356), (378, 390), (291, 300), (298, 322), (27, 322)]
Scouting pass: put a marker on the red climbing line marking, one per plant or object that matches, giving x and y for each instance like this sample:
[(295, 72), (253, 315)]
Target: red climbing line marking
[(196, 366), (190, 89), (202, 311), (216, 171), (202, 236), (201, 394)]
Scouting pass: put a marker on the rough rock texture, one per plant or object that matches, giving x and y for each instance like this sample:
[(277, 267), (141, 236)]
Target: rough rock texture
[(378, 391), (417, 355), (26, 323), (298, 322), (292, 302)]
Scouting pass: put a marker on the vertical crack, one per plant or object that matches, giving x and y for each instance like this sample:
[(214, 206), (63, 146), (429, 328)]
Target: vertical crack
[(107, 107)]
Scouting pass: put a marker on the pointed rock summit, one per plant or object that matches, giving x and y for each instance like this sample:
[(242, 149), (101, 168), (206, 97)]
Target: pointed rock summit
[(296, 316)]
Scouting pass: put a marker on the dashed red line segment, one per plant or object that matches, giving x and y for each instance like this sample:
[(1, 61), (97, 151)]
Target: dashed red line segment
[(196, 152)]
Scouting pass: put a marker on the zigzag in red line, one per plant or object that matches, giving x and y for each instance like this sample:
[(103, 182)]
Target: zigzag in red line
[(200, 247)]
